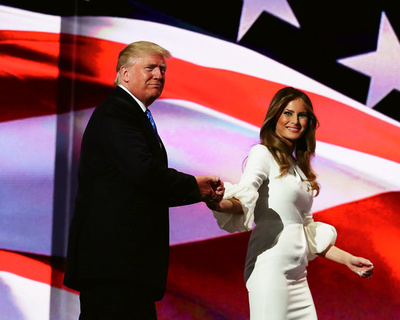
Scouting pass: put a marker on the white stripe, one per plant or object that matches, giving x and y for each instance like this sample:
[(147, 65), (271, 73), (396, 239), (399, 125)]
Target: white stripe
[(23, 20), (213, 113), (33, 299), (376, 168), (27, 297)]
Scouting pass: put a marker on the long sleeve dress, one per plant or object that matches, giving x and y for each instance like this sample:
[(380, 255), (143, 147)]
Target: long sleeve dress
[(284, 239)]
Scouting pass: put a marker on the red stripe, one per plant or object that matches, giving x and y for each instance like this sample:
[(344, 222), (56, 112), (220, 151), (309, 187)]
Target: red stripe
[(210, 272), (32, 60), (247, 98), (367, 228), (25, 267), (33, 267)]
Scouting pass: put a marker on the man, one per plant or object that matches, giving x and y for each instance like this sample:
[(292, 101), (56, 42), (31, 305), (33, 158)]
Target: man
[(119, 236)]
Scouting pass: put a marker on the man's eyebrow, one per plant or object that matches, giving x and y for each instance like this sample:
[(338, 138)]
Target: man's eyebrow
[(156, 65)]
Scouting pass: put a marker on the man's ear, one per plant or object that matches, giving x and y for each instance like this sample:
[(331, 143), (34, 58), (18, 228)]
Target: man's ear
[(124, 72)]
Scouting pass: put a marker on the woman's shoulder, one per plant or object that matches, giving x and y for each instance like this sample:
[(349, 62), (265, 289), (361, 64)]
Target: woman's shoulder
[(260, 150), (259, 162), (260, 154)]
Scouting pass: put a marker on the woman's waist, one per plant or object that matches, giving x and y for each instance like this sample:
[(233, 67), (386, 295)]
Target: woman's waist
[(292, 220)]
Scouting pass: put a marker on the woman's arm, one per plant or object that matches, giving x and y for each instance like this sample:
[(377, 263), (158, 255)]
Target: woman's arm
[(363, 267), (231, 205)]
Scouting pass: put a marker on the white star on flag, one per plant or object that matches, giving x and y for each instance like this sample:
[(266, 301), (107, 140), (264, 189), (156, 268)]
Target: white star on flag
[(252, 9), (382, 65)]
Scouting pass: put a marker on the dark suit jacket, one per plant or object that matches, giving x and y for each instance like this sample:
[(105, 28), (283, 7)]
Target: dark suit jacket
[(120, 228)]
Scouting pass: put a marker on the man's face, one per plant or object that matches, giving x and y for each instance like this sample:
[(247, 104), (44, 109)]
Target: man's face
[(145, 78)]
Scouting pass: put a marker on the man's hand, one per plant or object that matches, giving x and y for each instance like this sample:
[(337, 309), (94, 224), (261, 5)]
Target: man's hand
[(211, 189)]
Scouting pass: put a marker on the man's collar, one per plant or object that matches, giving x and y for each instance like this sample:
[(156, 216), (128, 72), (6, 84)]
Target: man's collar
[(140, 103)]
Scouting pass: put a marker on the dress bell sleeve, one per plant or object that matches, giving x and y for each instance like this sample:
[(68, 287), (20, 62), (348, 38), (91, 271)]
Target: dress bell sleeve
[(246, 191), (319, 236), (238, 222)]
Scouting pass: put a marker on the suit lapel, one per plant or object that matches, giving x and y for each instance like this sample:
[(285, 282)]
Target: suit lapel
[(155, 142)]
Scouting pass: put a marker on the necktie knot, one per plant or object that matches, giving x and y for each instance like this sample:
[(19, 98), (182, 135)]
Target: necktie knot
[(148, 114)]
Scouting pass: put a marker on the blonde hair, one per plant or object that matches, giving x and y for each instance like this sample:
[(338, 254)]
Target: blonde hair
[(305, 146), (135, 50)]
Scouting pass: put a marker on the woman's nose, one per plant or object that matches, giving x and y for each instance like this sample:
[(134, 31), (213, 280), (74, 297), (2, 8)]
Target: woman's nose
[(295, 119)]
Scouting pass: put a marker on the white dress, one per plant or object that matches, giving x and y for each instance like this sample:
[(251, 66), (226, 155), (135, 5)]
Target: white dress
[(284, 239)]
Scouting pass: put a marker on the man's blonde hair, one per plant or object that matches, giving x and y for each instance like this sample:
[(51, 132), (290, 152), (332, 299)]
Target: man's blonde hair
[(135, 50)]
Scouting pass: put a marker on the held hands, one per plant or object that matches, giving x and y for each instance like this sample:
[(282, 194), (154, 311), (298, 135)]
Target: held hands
[(363, 267), (211, 189)]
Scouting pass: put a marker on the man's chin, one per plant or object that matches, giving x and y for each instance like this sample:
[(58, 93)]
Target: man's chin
[(156, 94), (154, 98)]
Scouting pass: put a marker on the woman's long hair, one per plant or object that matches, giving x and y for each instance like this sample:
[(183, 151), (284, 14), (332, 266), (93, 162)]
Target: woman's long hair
[(305, 146)]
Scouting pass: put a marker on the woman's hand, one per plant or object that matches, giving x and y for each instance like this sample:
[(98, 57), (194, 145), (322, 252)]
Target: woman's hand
[(363, 267)]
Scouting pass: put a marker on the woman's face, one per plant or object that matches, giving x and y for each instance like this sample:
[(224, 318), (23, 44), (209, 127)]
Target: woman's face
[(293, 122)]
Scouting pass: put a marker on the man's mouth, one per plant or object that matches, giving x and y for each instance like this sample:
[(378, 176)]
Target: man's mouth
[(156, 86)]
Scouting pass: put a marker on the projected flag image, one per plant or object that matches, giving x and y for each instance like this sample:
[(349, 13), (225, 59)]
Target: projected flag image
[(228, 61)]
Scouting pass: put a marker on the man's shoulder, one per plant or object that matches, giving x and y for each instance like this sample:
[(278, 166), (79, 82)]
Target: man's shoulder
[(119, 100), (120, 94)]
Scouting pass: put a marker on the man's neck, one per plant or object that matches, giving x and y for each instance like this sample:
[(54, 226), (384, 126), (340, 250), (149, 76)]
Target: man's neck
[(140, 103)]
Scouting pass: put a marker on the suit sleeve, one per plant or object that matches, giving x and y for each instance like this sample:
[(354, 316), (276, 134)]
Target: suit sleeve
[(123, 133)]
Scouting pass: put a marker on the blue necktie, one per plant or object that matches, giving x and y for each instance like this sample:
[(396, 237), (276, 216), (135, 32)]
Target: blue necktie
[(148, 114)]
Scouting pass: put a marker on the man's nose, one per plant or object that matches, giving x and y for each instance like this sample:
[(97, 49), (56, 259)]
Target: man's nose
[(157, 73)]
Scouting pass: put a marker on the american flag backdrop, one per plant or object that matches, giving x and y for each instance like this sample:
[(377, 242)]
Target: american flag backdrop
[(57, 62)]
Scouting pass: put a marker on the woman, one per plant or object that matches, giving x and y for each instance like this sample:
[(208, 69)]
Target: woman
[(276, 192)]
